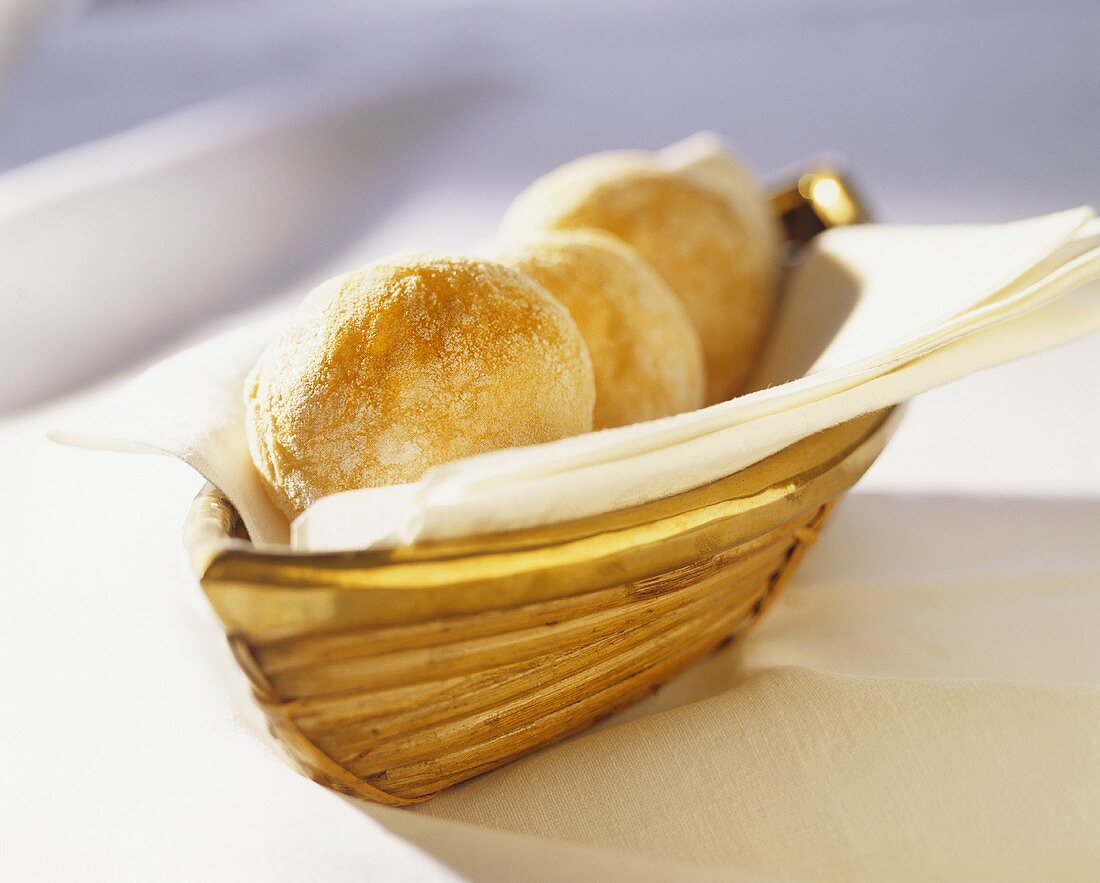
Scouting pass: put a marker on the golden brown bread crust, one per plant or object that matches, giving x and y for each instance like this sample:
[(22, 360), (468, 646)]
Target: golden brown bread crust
[(646, 354), (388, 371), (699, 241)]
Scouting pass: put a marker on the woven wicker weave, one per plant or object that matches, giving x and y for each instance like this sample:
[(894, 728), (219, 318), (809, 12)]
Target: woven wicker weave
[(391, 675)]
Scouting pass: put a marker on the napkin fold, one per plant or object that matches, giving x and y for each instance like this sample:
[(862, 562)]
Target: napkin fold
[(871, 316), (909, 308)]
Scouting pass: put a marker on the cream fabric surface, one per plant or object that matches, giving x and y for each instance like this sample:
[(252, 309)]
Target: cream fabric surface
[(922, 701)]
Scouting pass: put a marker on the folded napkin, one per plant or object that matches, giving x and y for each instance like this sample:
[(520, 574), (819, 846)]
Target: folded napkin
[(873, 315)]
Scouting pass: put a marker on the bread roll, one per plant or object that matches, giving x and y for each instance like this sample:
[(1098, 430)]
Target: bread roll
[(702, 241), (386, 372), (646, 354)]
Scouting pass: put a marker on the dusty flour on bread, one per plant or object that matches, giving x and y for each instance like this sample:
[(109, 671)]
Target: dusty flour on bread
[(385, 372), (703, 243), (646, 354)]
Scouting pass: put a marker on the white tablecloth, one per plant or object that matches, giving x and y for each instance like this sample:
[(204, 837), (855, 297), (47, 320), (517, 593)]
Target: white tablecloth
[(949, 611)]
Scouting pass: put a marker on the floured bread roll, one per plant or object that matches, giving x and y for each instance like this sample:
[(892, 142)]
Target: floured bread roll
[(388, 371), (702, 240), (645, 352)]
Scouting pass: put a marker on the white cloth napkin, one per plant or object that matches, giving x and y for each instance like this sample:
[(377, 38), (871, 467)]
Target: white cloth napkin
[(874, 315)]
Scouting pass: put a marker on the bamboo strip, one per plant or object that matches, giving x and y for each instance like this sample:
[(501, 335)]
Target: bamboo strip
[(489, 689), (330, 712), (432, 663), (301, 651), (491, 739), (617, 662)]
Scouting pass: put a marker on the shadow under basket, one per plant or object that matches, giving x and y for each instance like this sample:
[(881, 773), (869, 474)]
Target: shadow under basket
[(391, 675)]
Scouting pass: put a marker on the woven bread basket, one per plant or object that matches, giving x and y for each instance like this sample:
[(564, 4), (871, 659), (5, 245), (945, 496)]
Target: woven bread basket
[(391, 675)]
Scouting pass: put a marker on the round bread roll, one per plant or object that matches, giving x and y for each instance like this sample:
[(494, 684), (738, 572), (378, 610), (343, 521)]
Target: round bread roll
[(702, 243), (388, 371), (645, 351)]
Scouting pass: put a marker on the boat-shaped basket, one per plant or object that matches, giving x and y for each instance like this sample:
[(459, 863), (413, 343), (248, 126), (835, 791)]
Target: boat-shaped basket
[(391, 675)]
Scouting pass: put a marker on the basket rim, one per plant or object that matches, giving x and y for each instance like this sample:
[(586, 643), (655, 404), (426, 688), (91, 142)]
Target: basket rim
[(213, 529)]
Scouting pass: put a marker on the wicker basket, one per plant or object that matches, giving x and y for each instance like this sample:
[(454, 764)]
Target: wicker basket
[(391, 675)]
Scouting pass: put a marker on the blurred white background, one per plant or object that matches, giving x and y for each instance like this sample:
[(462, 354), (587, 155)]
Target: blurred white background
[(949, 110), (168, 164)]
